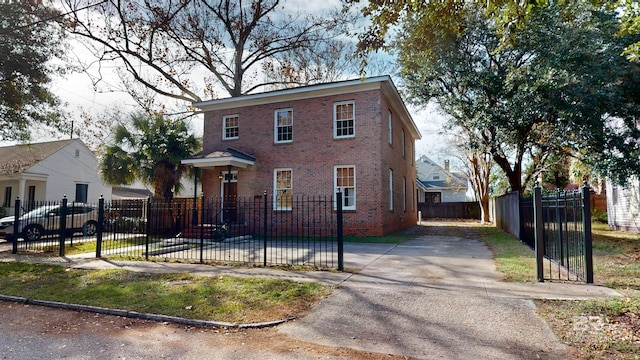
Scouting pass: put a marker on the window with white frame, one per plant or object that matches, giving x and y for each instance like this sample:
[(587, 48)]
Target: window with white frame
[(404, 193), (404, 152), (282, 189), (390, 189), (230, 127), (345, 182), (390, 128), (283, 126), (344, 119), (413, 153)]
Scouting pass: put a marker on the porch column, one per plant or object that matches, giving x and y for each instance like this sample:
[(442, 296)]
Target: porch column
[(21, 189), (228, 194)]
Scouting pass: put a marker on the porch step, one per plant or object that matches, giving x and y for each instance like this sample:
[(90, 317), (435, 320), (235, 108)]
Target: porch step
[(207, 231)]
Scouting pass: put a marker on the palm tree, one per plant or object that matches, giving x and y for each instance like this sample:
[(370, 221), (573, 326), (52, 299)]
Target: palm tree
[(149, 149)]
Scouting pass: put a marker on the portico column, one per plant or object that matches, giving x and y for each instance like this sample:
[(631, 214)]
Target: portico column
[(228, 193)]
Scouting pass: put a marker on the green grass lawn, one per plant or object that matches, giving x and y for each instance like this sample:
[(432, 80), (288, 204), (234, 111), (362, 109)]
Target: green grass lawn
[(598, 329), (226, 299)]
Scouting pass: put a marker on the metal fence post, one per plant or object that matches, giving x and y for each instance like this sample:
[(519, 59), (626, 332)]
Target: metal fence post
[(100, 227), (146, 245), (559, 222), (586, 230), (264, 228), (340, 231), (202, 222), (63, 225), (16, 219), (538, 231)]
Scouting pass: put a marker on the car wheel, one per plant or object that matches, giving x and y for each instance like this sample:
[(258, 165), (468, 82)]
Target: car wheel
[(32, 233), (90, 228)]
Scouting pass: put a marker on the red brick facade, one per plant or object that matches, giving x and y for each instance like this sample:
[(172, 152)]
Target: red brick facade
[(314, 152)]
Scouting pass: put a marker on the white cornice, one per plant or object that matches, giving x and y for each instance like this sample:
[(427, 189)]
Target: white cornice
[(383, 83)]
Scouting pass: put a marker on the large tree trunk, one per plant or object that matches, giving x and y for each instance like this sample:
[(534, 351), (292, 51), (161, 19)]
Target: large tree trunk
[(514, 175)]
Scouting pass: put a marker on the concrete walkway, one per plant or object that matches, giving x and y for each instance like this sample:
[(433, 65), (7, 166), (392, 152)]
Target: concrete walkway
[(435, 297)]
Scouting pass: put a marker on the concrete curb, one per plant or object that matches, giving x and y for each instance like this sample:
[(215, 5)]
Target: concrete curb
[(142, 316)]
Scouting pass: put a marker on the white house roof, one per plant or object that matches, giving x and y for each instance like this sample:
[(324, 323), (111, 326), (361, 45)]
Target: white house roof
[(426, 168), (18, 158), (384, 83)]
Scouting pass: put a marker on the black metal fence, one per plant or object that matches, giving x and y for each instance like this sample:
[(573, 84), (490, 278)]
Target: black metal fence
[(563, 234), (558, 227), (256, 230)]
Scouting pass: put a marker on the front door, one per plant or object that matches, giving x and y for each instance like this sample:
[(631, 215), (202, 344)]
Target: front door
[(229, 202)]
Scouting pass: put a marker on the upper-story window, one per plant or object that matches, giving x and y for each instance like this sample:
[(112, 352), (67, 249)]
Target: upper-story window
[(283, 126), (230, 127), (436, 176), (344, 119), (390, 128), (404, 151)]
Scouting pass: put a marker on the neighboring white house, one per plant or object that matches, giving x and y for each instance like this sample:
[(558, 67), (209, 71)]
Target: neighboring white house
[(623, 206), (437, 184), (49, 171)]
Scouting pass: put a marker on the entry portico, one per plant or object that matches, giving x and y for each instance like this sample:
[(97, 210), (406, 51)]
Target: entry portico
[(223, 162)]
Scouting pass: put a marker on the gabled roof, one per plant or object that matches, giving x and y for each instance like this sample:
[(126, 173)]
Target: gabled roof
[(18, 158), (425, 168), (383, 83), (228, 156)]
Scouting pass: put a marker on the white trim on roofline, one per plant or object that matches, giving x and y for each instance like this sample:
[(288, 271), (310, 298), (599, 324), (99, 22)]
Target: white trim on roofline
[(384, 83)]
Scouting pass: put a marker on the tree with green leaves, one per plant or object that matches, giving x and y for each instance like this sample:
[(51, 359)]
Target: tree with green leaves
[(149, 148), (508, 16), (30, 39), (560, 83)]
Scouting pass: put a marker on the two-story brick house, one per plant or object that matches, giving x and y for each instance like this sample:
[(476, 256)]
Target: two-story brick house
[(355, 136)]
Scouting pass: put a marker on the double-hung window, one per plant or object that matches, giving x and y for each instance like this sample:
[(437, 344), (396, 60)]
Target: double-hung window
[(404, 152), (282, 189), (390, 189), (283, 126), (230, 127), (344, 117), (390, 128), (345, 182), (404, 193)]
